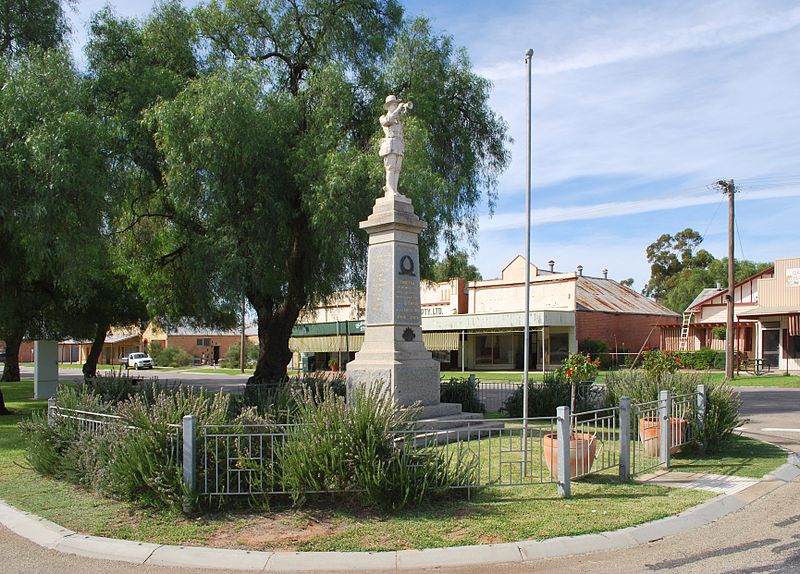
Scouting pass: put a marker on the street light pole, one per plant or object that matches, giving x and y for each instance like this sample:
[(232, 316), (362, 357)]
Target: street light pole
[(526, 334)]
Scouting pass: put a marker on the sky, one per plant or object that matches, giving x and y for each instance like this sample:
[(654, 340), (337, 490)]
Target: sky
[(638, 108)]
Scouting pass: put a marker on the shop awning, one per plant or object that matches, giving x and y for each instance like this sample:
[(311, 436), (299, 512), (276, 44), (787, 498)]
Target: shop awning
[(441, 341), (326, 344), (436, 341)]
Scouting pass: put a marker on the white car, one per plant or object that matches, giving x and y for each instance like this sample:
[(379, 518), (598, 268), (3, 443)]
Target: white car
[(137, 361)]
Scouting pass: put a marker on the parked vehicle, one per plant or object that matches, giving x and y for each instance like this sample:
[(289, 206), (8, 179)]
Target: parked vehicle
[(137, 361)]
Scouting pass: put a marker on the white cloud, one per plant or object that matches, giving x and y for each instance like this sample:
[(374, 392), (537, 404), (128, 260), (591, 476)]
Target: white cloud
[(516, 220)]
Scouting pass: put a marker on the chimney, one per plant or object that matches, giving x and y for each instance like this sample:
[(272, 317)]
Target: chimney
[(580, 270), (552, 264), (605, 273)]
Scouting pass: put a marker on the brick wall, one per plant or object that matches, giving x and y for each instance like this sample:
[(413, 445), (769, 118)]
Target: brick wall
[(624, 330)]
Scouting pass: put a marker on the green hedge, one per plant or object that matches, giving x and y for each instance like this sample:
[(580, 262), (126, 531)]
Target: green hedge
[(464, 391)]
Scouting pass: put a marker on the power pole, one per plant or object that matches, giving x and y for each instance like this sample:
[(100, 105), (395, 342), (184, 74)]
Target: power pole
[(729, 189)]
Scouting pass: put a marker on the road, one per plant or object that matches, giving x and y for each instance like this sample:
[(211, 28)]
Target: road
[(762, 538), (212, 382)]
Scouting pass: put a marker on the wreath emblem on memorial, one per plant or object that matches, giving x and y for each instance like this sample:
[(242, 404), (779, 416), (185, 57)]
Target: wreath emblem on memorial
[(408, 334), (406, 265)]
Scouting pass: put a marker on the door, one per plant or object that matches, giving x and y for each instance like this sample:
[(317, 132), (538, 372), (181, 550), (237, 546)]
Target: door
[(216, 354), (770, 347)]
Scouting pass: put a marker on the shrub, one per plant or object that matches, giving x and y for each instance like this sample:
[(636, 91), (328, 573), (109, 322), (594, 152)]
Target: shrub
[(171, 357), (231, 358), (722, 402), (354, 446), (279, 401), (722, 414), (597, 349), (702, 359), (462, 390), (114, 388), (553, 392), (659, 363)]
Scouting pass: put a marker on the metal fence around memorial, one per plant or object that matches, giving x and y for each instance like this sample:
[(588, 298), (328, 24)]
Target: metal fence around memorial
[(237, 460), (660, 428), (244, 460), (97, 423), (494, 394)]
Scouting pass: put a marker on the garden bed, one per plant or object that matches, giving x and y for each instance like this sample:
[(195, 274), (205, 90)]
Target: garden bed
[(599, 503)]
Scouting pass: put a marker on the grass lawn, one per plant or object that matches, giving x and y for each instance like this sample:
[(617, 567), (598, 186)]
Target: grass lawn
[(497, 514)]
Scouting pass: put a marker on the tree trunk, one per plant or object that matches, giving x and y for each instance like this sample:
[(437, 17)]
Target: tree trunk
[(275, 323), (3, 409), (90, 366), (274, 330), (11, 366)]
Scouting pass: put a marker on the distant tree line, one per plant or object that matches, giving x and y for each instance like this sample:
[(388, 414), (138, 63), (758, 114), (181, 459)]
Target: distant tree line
[(680, 270)]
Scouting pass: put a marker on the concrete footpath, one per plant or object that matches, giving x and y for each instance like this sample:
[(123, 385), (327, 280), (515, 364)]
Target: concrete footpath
[(738, 494)]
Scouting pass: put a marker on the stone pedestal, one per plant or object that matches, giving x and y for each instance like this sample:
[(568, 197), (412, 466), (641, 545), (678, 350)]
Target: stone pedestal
[(45, 369), (393, 354)]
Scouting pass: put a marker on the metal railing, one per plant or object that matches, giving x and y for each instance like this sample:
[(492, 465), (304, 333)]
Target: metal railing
[(645, 436), (237, 460), (494, 394), (600, 431)]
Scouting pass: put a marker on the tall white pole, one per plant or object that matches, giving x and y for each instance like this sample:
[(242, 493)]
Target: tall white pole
[(526, 334)]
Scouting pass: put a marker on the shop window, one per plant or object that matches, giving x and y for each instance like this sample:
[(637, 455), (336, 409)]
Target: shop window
[(559, 347), (494, 350)]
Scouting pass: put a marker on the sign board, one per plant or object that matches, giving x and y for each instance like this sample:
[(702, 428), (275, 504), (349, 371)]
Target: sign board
[(793, 277), (437, 310)]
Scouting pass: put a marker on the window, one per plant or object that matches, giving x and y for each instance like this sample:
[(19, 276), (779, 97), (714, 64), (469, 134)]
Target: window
[(494, 350), (794, 347), (203, 342), (559, 347)]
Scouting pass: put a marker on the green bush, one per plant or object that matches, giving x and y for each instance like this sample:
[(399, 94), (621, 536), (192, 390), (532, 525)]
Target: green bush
[(279, 401), (231, 358), (464, 391), (598, 350), (354, 446), (553, 392), (702, 359), (136, 459), (114, 388), (171, 357), (657, 364), (722, 414)]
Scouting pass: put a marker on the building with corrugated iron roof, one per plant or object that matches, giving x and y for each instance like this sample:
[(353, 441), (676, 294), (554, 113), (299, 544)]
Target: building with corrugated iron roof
[(478, 325), (766, 318)]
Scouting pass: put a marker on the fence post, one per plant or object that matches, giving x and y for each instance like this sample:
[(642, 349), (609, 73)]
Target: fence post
[(189, 463), (701, 416), (665, 430), (51, 411), (563, 417), (624, 439)]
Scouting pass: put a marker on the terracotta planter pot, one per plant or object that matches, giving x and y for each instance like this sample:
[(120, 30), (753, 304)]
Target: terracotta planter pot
[(582, 450), (650, 435)]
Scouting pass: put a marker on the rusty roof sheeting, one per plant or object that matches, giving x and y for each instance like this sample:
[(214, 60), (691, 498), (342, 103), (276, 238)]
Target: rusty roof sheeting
[(593, 294)]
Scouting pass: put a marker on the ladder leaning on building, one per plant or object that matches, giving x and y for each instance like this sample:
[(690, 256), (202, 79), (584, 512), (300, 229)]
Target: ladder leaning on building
[(683, 344)]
